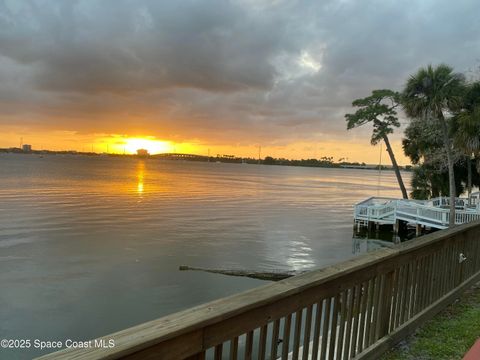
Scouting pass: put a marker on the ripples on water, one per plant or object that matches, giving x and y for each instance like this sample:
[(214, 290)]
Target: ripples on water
[(89, 246)]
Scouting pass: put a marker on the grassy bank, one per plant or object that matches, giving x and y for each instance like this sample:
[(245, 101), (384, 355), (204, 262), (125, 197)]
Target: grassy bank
[(447, 336)]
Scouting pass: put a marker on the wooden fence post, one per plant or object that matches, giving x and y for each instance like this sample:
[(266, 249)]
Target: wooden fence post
[(386, 304)]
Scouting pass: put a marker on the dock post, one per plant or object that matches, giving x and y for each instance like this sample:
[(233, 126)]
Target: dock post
[(396, 226), (418, 230)]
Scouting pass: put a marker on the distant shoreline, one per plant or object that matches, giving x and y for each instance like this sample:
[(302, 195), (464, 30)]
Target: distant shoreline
[(321, 163)]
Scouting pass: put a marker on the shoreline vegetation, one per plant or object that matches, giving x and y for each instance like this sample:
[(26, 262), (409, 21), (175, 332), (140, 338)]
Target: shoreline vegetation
[(323, 162), (442, 109)]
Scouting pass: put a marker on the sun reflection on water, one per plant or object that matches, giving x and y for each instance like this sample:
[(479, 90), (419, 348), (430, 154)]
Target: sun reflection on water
[(140, 177)]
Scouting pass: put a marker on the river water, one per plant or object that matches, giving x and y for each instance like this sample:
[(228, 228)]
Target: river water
[(92, 245)]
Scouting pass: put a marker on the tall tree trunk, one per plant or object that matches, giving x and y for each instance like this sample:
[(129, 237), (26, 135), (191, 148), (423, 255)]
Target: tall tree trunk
[(469, 179), (395, 167), (451, 173)]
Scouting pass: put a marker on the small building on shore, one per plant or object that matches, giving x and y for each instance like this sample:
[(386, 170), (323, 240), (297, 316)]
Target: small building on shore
[(142, 152), (27, 148)]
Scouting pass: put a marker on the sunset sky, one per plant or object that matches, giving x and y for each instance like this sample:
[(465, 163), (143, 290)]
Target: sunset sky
[(228, 76)]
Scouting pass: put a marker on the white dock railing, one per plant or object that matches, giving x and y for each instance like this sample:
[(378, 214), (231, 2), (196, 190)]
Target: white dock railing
[(434, 212)]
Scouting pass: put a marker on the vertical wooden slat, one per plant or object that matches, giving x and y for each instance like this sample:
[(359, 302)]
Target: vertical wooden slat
[(234, 348), (400, 295), (366, 312), (356, 318), (441, 271), (461, 249), (447, 272), (453, 261), (262, 342), (370, 313), (286, 336), (403, 297), (395, 291), (434, 279), (297, 334), (316, 330), (386, 307), (415, 289), (420, 287), (333, 328), (348, 329), (218, 352), (375, 308), (341, 327), (307, 331), (421, 284), (249, 346), (199, 356), (325, 329), (448, 266), (274, 345), (428, 280), (436, 275)]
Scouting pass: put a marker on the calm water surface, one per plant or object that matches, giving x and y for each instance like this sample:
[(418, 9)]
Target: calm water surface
[(89, 246)]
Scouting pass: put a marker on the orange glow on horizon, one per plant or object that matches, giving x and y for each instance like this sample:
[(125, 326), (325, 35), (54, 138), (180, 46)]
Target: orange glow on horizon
[(153, 146), (358, 149)]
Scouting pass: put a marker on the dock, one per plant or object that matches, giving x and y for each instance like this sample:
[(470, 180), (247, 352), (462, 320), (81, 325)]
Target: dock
[(433, 213)]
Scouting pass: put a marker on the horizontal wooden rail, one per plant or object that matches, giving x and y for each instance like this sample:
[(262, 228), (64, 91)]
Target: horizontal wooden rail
[(355, 309)]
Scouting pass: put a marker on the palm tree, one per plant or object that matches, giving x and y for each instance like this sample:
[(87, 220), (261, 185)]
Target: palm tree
[(467, 134), (379, 109), (436, 92)]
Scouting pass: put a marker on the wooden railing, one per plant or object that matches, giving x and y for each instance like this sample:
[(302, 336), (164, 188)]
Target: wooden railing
[(355, 309)]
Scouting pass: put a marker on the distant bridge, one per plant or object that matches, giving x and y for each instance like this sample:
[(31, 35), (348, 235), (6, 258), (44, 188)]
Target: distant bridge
[(181, 156)]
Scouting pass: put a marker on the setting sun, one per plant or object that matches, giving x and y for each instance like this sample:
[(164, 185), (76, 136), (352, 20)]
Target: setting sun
[(153, 146)]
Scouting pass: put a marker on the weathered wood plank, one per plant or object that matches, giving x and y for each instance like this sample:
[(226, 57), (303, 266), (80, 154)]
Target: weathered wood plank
[(341, 327), (326, 328), (317, 327), (306, 332), (249, 346), (286, 336), (348, 328), (262, 342), (369, 327), (218, 352), (274, 345), (234, 348), (356, 319), (297, 334), (333, 328)]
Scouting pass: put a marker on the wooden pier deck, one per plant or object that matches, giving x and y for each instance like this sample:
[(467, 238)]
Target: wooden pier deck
[(432, 213)]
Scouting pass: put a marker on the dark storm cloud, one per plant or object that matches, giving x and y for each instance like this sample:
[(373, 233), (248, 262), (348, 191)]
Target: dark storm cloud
[(218, 69)]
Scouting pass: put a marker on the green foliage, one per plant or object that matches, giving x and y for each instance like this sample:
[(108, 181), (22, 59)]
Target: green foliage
[(378, 109), (324, 161), (429, 181), (423, 142), (467, 121), (433, 91), (421, 185)]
